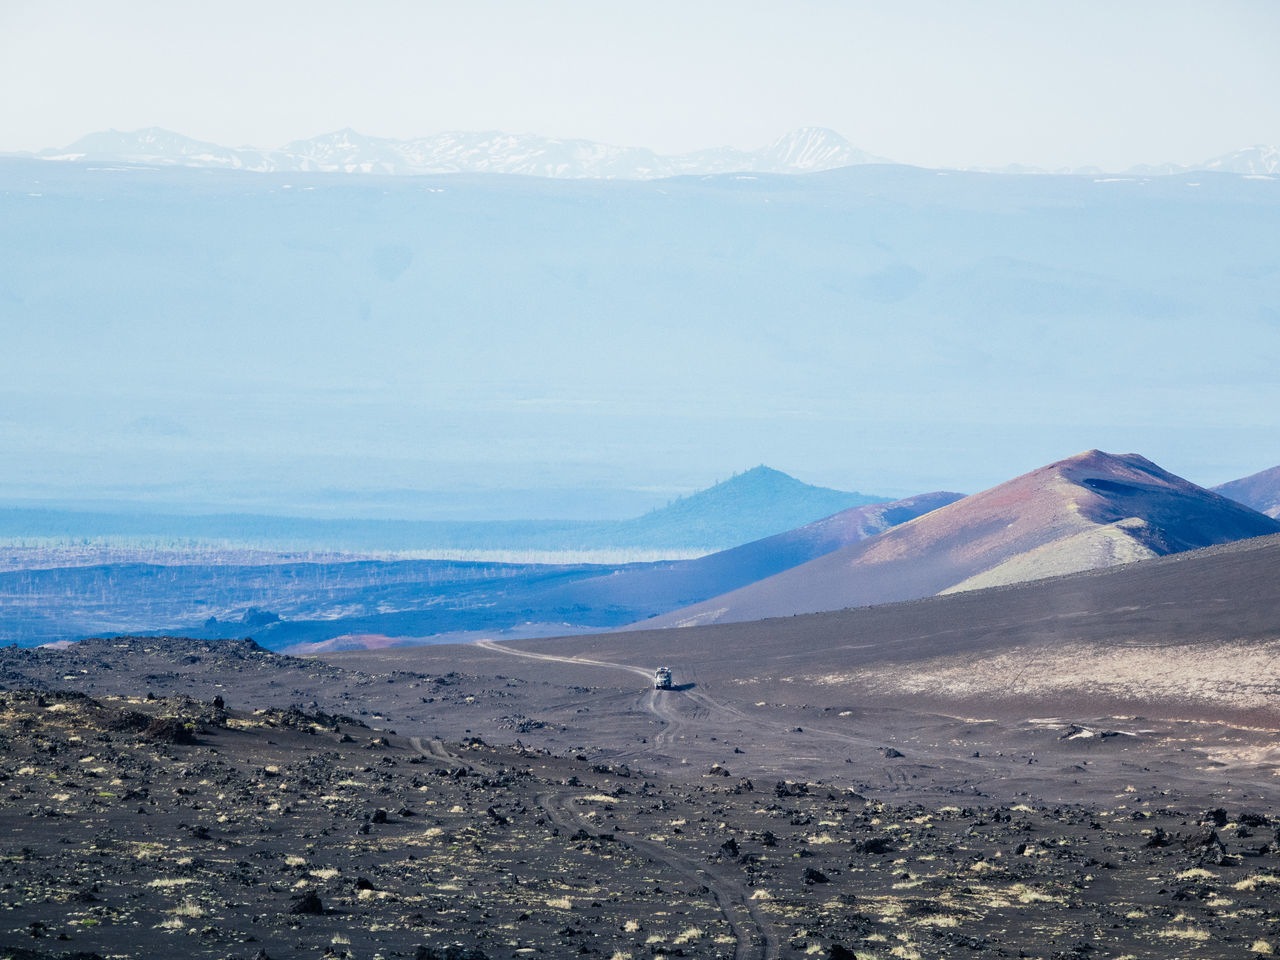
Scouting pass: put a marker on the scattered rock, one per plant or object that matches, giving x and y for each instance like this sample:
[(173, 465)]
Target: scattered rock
[(812, 876), (1217, 816), (873, 845), (306, 903), (452, 952), (1206, 844), (169, 730)]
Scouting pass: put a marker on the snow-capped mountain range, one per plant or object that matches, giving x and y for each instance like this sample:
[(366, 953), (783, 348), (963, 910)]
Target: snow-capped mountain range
[(806, 150), (346, 151)]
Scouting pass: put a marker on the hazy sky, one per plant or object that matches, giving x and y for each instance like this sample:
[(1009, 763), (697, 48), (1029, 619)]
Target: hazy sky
[(931, 83)]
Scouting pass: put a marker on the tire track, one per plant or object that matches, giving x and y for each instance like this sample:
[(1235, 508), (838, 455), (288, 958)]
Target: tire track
[(663, 707), (494, 647), (754, 936), (434, 749), (660, 703)]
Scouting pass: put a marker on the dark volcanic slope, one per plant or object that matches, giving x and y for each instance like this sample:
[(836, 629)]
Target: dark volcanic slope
[(1196, 634), (1260, 491), (1091, 510), (662, 586)]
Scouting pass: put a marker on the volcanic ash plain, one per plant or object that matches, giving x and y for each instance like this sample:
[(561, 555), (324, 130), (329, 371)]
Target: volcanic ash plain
[(161, 797)]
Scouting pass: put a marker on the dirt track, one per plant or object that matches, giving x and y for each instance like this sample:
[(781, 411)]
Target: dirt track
[(754, 937)]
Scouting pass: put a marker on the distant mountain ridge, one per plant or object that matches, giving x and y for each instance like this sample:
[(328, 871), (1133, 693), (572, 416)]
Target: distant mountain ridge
[(1258, 160), (807, 149), (758, 503), (804, 150), (1088, 511)]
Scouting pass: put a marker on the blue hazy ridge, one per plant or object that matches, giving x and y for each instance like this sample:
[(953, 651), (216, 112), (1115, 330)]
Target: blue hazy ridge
[(749, 506), (360, 333)]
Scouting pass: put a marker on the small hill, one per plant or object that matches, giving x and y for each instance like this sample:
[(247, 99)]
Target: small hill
[(1260, 490), (758, 503), (1091, 510), (658, 587)]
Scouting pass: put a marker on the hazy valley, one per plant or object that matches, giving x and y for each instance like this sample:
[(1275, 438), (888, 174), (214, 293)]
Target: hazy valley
[(372, 584)]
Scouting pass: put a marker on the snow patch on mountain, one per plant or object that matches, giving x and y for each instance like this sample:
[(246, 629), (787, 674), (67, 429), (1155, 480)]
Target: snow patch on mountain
[(348, 151)]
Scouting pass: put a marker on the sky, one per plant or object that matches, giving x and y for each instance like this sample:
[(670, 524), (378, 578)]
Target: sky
[(930, 82)]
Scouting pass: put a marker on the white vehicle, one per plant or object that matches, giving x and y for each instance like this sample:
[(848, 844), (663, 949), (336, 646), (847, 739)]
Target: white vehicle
[(662, 678)]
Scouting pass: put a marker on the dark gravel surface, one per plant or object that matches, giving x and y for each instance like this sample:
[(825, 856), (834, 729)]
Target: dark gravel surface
[(351, 808)]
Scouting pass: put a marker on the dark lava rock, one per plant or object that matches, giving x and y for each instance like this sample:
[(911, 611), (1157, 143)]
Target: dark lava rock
[(453, 951), (1158, 838), (1217, 816), (874, 845), (837, 952), (1205, 843), (379, 816), (126, 721), (891, 754), (729, 849), (169, 730), (812, 876), (307, 902)]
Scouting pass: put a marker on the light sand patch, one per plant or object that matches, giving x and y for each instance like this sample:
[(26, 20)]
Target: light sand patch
[(1234, 673), (1104, 546)]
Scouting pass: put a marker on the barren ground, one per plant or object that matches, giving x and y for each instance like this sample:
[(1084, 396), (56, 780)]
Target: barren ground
[(534, 802)]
